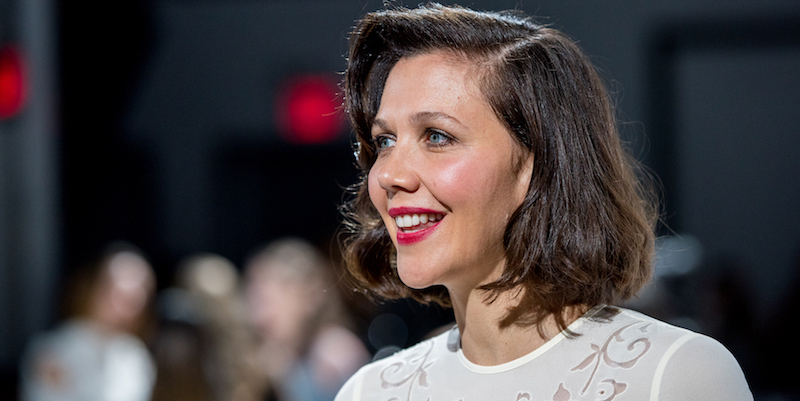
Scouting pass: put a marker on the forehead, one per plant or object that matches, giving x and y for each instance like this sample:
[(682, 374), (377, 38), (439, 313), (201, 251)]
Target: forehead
[(438, 68), (434, 81), (129, 269)]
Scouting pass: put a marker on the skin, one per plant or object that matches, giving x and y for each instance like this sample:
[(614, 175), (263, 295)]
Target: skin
[(442, 148), (124, 292)]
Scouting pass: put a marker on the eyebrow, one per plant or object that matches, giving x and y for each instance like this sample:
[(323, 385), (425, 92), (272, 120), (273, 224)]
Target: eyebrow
[(420, 117)]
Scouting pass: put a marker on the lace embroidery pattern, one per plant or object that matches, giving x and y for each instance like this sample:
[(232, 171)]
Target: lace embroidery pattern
[(635, 342), (411, 371)]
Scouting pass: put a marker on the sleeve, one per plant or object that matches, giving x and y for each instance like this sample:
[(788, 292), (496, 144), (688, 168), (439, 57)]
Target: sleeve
[(697, 367)]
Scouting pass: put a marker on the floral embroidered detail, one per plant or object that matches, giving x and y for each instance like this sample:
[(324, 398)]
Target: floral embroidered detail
[(638, 345), (610, 388), (562, 394), (410, 371), (523, 397)]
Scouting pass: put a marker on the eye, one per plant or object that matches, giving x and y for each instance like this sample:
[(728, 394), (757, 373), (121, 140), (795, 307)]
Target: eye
[(383, 142), (438, 138)]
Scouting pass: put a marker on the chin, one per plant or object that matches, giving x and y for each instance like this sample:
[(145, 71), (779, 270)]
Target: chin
[(416, 276)]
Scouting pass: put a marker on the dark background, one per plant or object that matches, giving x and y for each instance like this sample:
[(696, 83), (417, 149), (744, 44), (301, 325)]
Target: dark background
[(161, 131)]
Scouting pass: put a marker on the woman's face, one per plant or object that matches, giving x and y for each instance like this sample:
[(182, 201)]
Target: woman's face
[(444, 181), (124, 292), (280, 306)]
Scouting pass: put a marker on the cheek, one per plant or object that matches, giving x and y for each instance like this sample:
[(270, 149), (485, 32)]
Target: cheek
[(463, 180)]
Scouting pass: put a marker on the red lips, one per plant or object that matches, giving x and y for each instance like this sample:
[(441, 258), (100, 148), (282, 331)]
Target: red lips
[(416, 235)]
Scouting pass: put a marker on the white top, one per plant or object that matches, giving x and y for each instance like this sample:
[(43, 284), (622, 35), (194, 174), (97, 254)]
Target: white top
[(78, 363), (619, 355)]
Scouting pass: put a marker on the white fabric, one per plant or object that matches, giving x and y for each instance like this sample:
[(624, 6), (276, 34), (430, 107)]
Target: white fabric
[(619, 355), (78, 363)]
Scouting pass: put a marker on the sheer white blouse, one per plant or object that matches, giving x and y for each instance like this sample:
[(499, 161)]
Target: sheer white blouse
[(618, 355)]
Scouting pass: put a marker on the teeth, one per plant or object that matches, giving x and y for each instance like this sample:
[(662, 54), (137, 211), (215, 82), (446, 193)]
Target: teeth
[(411, 220)]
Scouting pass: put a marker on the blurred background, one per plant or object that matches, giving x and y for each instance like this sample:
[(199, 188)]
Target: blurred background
[(211, 126)]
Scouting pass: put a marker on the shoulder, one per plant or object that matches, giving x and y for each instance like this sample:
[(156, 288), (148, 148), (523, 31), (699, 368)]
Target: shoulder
[(700, 367), (50, 360), (402, 365), (67, 336), (688, 365)]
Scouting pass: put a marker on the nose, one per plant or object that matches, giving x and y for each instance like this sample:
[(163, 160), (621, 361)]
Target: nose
[(395, 171)]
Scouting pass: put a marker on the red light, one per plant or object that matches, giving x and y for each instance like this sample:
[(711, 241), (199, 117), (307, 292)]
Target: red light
[(12, 82), (307, 110)]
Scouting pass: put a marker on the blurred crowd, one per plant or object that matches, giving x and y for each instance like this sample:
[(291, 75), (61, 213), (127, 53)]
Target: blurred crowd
[(274, 329), (277, 328)]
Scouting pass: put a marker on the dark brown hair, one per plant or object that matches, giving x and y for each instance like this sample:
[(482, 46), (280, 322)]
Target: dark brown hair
[(584, 233)]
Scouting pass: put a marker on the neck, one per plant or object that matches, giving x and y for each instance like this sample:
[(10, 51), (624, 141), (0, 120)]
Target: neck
[(485, 341)]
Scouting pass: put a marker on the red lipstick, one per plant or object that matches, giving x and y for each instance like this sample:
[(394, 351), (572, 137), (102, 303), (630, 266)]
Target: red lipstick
[(399, 211), (420, 231)]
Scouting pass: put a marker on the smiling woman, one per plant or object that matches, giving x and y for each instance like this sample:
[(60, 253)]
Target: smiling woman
[(494, 181), (442, 152)]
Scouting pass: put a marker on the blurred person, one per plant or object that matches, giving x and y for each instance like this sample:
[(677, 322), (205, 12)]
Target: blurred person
[(494, 181), (305, 348), (203, 349), (179, 349), (96, 353)]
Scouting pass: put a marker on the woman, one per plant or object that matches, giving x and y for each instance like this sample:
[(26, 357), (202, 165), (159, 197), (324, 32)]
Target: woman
[(304, 346), (495, 182), (96, 353), (203, 348)]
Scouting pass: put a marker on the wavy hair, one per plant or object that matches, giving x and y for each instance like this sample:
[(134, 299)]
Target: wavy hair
[(584, 233)]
